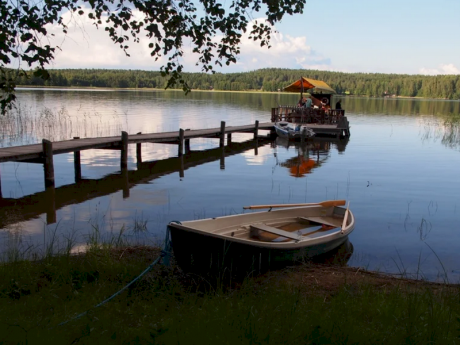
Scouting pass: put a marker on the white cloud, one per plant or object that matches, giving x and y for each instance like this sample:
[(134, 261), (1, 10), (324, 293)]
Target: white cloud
[(88, 47), (285, 51), (443, 69)]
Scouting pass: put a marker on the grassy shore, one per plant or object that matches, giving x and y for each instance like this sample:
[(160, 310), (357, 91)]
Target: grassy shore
[(308, 304)]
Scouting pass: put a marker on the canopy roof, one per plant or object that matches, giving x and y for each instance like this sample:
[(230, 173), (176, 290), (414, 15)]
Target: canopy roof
[(319, 86)]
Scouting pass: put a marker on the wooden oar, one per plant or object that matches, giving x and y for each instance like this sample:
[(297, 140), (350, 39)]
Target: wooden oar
[(345, 217), (327, 203)]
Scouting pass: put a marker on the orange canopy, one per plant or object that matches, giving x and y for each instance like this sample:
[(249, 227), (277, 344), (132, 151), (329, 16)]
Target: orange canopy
[(304, 84)]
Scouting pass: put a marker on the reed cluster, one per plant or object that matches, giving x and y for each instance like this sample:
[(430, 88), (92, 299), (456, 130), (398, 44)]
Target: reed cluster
[(26, 125), (16, 244)]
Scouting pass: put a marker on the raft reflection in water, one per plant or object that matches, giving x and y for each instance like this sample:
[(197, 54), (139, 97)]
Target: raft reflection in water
[(310, 155)]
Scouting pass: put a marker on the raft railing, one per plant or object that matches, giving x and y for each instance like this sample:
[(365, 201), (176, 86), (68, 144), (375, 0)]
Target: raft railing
[(304, 115)]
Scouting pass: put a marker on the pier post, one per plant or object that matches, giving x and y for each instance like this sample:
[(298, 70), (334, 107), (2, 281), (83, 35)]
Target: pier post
[(347, 130), (77, 163), (1, 186), (222, 134), (139, 152), (187, 145), (344, 125), (256, 129), (48, 164), (222, 158), (181, 142), (50, 197), (125, 182), (124, 150), (229, 138), (181, 167)]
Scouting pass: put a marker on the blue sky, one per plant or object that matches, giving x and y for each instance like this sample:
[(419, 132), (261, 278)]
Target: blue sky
[(405, 36)]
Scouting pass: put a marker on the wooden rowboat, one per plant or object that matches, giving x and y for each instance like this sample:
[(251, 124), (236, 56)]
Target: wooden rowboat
[(261, 240)]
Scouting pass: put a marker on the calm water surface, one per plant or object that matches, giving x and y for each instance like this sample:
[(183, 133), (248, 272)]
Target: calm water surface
[(399, 170)]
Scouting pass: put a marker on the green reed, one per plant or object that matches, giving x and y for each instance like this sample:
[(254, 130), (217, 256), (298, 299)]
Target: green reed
[(24, 125), (57, 241)]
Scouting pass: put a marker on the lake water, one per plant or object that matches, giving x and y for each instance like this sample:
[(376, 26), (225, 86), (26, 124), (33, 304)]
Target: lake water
[(399, 170)]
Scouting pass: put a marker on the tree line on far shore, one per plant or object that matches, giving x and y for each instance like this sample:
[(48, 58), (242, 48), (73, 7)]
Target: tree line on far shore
[(270, 79)]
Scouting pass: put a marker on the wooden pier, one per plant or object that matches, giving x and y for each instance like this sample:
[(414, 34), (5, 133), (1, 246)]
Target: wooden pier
[(43, 153)]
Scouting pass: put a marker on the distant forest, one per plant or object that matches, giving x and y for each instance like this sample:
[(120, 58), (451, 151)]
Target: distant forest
[(271, 79)]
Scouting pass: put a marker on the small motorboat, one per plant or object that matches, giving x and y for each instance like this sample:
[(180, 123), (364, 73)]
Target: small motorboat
[(293, 131), (261, 240)]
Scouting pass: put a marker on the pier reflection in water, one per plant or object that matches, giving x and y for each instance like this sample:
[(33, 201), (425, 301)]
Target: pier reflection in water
[(52, 199)]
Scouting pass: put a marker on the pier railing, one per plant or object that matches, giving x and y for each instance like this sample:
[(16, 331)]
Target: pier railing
[(303, 115)]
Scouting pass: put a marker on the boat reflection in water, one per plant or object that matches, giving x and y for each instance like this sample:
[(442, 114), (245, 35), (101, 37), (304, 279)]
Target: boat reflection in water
[(310, 155), (337, 257)]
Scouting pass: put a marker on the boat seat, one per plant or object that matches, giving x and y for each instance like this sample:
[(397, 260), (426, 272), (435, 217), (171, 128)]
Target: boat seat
[(255, 228), (336, 222)]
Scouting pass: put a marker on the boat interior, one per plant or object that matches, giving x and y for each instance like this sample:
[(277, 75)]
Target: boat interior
[(286, 229)]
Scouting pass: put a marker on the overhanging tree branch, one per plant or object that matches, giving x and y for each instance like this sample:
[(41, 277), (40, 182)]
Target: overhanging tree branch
[(215, 35)]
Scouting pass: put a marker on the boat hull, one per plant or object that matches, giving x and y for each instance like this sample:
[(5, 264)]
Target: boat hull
[(284, 130), (196, 252), (235, 244)]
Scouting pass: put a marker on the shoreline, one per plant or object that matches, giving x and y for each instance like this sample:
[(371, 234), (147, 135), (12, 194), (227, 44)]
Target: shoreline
[(344, 96), (330, 273)]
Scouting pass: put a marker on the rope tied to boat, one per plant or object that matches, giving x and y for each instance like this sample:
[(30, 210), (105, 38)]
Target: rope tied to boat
[(165, 253)]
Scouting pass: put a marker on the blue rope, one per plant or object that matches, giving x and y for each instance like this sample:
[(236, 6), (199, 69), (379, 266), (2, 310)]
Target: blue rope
[(167, 245), (115, 294), (165, 253)]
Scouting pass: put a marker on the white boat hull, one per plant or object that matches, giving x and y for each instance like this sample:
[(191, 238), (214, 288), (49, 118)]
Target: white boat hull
[(293, 132), (238, 241)]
